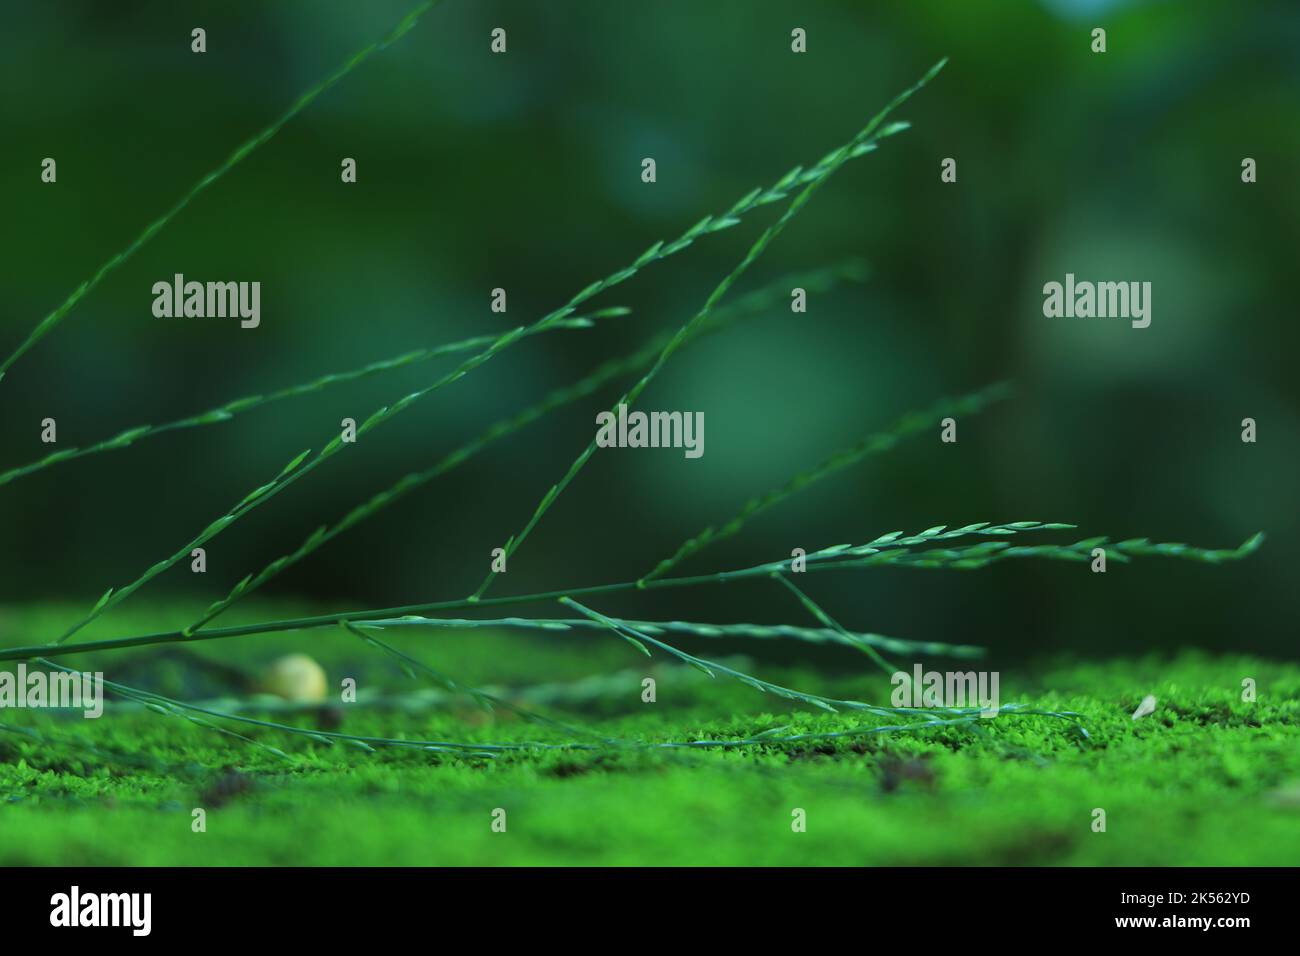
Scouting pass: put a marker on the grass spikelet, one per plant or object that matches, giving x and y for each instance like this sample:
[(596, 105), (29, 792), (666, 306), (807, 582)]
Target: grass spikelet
[(909, 424)]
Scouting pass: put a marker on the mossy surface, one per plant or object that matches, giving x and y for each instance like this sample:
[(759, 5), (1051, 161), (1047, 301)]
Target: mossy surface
[(1206, 779)]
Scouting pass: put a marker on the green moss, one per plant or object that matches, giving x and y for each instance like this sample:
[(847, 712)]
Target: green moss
[(1207, 779)]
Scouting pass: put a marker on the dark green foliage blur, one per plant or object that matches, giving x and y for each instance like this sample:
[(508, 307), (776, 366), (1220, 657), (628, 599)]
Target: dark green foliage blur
[(523, 171)]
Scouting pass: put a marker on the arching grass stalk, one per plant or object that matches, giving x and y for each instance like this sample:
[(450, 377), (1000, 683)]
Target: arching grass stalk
[(982, 555), (854, 639), (426, 696), (833, 625), (832, 162), (204, 717), (170, 708), (656, 253), (909, 424), (608, 686), (816, 280), (47, 324), (238, 406), (638, 639), (821, 279), (290, 473), (890, 549)]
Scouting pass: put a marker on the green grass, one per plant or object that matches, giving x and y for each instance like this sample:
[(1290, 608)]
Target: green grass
[(1207, 779), (448, 726), (805, 181)]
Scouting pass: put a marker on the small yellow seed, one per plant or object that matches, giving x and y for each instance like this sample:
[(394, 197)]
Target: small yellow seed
[(295, 677)]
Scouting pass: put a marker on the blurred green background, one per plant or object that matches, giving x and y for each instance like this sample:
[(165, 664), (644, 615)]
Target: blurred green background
[(522, 171)]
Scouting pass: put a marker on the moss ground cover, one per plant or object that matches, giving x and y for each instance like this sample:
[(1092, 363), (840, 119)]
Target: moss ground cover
[(1206, 779)]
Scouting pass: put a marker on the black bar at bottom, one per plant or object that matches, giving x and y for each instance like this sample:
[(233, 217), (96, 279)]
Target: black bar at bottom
[(318, 906)]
